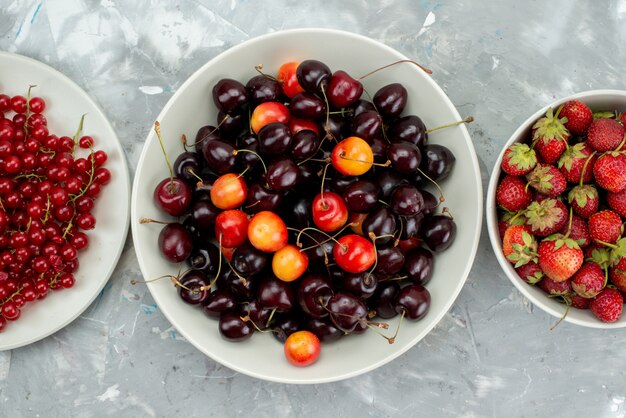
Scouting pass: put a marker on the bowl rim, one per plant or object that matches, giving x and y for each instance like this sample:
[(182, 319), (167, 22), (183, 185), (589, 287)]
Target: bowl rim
[(453, 295), (492, 219)]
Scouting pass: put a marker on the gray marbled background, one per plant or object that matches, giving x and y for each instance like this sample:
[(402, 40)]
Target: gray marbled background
[(492, 354)]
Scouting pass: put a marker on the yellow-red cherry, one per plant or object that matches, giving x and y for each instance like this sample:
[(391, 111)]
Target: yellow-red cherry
[(352, 156), (329, 211), (302, 348), (354, 254), (267, 232), (268, 112), (289, 263), (229, 191), (231, 228)]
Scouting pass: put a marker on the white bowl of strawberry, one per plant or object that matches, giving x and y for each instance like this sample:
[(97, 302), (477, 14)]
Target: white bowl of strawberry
[(556, 208)]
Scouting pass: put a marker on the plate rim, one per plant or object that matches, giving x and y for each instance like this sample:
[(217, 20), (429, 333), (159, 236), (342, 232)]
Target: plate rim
[(40, 66), (476, 233)]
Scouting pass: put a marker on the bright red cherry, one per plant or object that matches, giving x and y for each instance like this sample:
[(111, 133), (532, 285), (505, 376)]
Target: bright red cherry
[(173, 196), (268, 112), (231, 226), (229, 191), (354, 254), (289, 80), (302, 348), (267, 232), (352, 156), (329, 211)]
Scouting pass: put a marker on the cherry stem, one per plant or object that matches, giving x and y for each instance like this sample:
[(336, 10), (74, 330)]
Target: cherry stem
[(386, 164), (184, 137), (330, 238), (373, 237), (426, 70), (441, 198), (316, 241), (568, 303), (269, 320), (322, 187), (152, 221), (393, 339), (315, 153), (200, 182), (582, 174), (327, 125), (259, 69), (237, 151), (157, 130), (468, 119), (173, 279)]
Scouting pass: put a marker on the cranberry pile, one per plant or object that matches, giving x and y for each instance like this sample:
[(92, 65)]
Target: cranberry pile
[(47, 194), (304, 208)]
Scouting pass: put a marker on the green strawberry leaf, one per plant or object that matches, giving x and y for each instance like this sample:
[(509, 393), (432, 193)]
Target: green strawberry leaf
[(603, 115)]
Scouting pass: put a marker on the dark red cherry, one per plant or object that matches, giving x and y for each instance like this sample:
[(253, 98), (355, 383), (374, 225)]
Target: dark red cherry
[(173, 196), (218, 302), (282, 174), (414, 301), (408, 128), (324, 329), (263, 89), (418, 265), (285, 324), (275, 294), (248, 261), (203, 214), (232, 125), (437, 161), (362, 285), (313, 294), (204, 135), (367, 125), (313, 75), (219, 156), (379, 148), (410, 225), (388, 180), (243, 289), (343, 90), (382, 223), (188, 166), (390, 260), (260, 198), (404, 156), (229, 95), (390, 100), (307, 105), (304, 144), (430, 202), (274, 139), (175, 242), (204, 257), (346, 311), (253, 311), (194, 287), (438, 232), (361, 196), (406, 200), (233, 328), (384, 299), (336, 126), (297, 209)]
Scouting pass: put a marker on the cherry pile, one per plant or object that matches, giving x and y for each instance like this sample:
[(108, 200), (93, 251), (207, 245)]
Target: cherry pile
[(304, 208), (47, 195)]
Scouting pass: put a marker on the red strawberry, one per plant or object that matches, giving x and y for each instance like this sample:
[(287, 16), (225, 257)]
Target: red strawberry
[(574, 160), (530, 272), (579, 302), (578, 231), (599, 254), (584, 200), (588, 280), (618, 278), (610, 171), (559, 257), (605, 134), (546, 217), (550, 137), (554, 288), (512, 194), (547, 179), (519, 245), (508, 219), (519, 159), (608, 305), (605, 227), (617, 202), (617, 271), (578, 115)]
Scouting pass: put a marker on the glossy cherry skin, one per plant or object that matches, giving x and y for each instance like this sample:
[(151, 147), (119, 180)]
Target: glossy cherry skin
[(274, 139), (418, 265), (430, 202), (267, 232), (256, 313), (354, 254), (297, 209), (361, 196), (289, 263), (261, 198), (406, 200), (414, 301), (232, 125), (410, 225), (359, 107), (319, 255), (367, 125), (390, 260), (313, 75), (285, 324), (302, 348), (384, 300), (404, 156), (346, 311), (263, 89), (173, 196), (382, 223), (196, 288), (231, 228), (273, 293), (388, 180), (379, 147), (175, 242), (204, 257), (304, 144), (219, 156), (313, 293), (325, 330), (307, 105), (336, 127), (282, 174), (329, 212), (249, 261), (362, 285), (229, 95), (205, 135), (298, 124), (390, 100), (219, 301), (438, 232), (244, 290), (229, 191), (437, 161), (268, 112), (352, 156), (343, 90), (187, 166), (408, 128), (203, 214), (287, 77), (233, 328)]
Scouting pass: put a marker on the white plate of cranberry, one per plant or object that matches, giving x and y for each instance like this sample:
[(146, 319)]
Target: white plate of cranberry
[(66, 200)]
